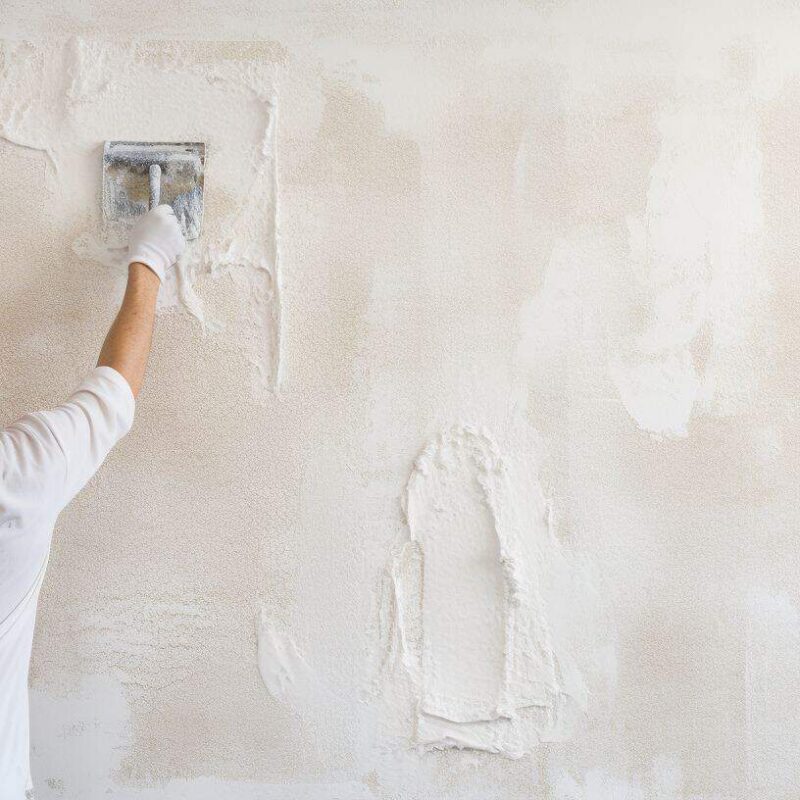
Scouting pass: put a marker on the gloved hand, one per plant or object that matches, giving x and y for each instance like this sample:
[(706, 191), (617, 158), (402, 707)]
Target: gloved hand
[(156, 240)]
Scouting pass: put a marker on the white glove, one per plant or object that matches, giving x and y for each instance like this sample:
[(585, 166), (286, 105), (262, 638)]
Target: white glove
[(156, 240)]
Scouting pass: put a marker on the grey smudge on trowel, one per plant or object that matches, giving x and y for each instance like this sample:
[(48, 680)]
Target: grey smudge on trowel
[(126, 181)]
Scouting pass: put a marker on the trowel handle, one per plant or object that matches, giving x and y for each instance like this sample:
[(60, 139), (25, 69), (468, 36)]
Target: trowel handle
[(155, 185)]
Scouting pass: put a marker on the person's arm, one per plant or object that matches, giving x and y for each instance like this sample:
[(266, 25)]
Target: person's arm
[(55, 452), (155, 243), (127, 344)]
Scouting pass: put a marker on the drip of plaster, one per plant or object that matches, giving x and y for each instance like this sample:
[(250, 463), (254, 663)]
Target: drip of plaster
[(464, 611), (283, 669), (65, 99), (248, 250)]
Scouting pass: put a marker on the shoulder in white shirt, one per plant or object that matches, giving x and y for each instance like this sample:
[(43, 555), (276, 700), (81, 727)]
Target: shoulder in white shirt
[(45, 459)]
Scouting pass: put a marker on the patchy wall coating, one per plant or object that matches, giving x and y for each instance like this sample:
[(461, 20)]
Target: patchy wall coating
[(61, 98), (464, 610), (471, 427)]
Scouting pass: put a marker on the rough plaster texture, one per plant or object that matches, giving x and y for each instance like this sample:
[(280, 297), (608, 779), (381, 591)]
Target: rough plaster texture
[(568, 228)]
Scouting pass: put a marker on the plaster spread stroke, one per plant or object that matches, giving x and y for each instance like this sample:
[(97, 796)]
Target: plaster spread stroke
[(65, 99), (466, 617), (697, 291), (283, 669)]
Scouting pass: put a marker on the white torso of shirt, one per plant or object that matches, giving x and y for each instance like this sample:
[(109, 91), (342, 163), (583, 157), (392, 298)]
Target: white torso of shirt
[(45, 460)]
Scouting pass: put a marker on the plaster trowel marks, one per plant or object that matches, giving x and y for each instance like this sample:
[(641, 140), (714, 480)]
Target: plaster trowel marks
[(229, 277), (468, 619), (463, 586)]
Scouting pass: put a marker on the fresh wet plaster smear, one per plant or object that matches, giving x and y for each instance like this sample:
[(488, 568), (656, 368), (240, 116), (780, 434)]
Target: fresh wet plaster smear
[(283, 669), (464, 608)]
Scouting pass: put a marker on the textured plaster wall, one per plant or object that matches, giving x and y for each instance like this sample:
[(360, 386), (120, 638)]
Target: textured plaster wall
[(471, 419)]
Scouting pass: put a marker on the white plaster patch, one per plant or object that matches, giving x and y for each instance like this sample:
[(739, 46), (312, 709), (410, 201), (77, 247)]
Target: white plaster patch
[(659, 393), (465, 612), (670, 305), (283, 669), (695, 263)]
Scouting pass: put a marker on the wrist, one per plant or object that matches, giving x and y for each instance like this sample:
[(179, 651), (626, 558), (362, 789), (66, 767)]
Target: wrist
[(143, 275)]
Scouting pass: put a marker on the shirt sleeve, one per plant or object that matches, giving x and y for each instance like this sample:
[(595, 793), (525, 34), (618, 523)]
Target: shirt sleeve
[(78, 434)]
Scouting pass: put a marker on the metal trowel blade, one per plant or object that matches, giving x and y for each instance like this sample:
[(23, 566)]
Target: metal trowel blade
[(126, 181)]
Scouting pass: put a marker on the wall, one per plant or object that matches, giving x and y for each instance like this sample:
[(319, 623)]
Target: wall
[(466, 464)]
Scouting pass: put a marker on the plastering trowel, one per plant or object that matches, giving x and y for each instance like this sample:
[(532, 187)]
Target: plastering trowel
[(138, 176)]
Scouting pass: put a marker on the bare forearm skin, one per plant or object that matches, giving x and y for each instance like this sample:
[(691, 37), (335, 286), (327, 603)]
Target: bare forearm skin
[(127, 344)]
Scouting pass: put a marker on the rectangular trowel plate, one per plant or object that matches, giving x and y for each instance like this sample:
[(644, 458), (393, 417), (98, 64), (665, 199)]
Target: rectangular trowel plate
[(126, 183)]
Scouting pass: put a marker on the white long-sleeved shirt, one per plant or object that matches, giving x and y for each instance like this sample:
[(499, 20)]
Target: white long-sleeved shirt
[(45, 460)]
